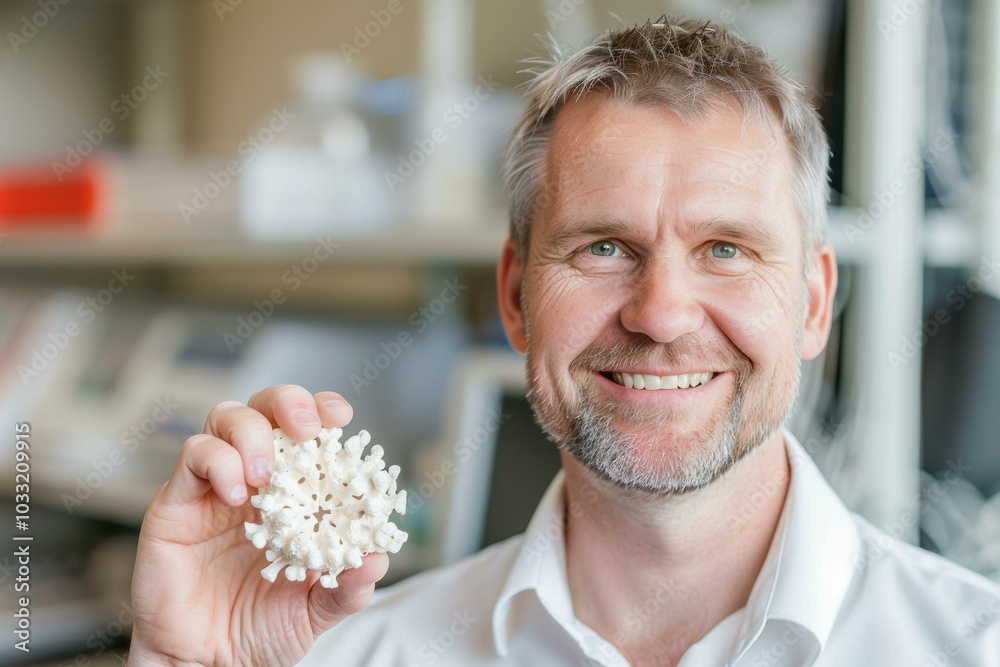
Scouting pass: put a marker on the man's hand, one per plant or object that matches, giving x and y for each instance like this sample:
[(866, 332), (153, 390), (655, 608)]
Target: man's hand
[(197, 591)]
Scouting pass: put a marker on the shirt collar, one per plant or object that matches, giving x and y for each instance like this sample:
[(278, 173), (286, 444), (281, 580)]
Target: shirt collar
[(810, 564), (540, 566), (802, 583)]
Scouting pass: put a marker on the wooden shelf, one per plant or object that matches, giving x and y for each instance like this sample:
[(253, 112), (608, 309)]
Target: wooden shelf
[(950, 241), (464, 247)]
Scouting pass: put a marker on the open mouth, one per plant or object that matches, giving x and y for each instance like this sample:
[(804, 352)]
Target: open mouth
[(659, 382)]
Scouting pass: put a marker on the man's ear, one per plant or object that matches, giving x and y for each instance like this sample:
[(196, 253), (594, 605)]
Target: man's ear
[(821, 287), (509, 273)]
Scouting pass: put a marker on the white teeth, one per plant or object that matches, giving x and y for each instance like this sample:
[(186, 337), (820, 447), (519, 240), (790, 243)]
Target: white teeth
[(654, 382)]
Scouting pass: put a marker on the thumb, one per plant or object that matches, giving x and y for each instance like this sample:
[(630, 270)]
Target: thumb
[(330, 606)]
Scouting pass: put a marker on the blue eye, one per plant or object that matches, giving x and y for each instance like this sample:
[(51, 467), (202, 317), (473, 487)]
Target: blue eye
[(723, 250), (603, 249)]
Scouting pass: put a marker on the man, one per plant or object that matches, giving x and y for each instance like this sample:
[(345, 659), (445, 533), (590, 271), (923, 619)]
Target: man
[(665, 275)]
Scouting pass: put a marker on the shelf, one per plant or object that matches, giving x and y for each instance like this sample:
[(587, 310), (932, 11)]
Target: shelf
[(464, 247), (949, 241)]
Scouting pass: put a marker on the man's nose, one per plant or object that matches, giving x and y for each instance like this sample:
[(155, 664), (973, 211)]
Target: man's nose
[(663, 303)]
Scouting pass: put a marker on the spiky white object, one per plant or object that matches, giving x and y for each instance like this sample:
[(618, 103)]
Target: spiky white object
[(324, 507)]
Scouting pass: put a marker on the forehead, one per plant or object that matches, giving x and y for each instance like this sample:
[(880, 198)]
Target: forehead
[(606, 158)]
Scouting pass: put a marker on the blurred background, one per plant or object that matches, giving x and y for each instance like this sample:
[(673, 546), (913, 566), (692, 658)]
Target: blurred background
[(201, 199)]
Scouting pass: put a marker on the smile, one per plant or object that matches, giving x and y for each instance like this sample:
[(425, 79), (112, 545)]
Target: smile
[(656, 382)]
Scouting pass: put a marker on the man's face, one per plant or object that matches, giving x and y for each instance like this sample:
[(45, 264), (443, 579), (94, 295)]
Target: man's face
[(664, 254)]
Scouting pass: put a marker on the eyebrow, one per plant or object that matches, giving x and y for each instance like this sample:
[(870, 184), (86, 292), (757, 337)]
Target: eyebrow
[(753, 233), (600, 227)]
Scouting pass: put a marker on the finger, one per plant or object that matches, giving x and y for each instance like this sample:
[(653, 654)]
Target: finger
[(206, 463), (327, 606), (250, 433), (289, 407), (334, 410)]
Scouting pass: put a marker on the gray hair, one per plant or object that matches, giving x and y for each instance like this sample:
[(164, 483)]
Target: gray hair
[(687, 66)]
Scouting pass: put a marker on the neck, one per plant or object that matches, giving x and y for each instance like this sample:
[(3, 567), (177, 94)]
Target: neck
[(652, 574)]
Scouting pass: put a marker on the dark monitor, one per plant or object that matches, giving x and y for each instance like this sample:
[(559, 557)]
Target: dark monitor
[(524, 464), (502, 461)]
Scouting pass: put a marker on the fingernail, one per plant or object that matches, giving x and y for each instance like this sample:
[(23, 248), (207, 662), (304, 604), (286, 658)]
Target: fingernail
[(306, 418), (262, 468), (239, 493)]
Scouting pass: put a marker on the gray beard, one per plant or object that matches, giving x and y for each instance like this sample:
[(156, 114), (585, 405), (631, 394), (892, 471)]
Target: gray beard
[(610, 454), (591, 438), (589, 435)]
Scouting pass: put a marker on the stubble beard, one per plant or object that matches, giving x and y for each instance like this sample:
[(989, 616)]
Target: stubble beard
[(667, 462)]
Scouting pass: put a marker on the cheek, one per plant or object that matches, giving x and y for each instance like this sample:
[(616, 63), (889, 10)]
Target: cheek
[(566, 314), (760, 318)]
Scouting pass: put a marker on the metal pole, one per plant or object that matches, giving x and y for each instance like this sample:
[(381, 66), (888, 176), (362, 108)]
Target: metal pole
[(985, 138), (885, 125)]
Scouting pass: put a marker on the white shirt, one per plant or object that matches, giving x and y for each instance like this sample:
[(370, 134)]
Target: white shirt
[(834, 591)]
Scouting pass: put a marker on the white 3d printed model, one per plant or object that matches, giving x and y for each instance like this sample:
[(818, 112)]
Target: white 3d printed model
[(324, 507)]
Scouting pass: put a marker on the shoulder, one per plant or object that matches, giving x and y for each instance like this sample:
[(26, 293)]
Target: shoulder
[(928, 598), (917, 571), (448, 606)]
